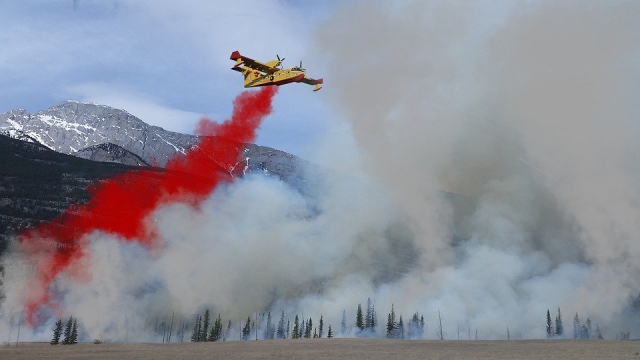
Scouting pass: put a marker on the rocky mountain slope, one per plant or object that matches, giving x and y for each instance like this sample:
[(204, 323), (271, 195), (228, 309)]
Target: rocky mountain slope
[(72, 126), (102, 133)]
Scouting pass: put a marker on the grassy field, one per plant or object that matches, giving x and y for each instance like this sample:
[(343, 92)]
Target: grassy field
[(335, 349)]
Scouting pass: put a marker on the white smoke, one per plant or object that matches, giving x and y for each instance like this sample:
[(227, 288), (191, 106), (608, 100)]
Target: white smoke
[(485, 170)]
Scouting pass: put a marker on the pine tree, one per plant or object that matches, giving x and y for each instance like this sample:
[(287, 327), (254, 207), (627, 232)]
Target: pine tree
[(330, 332), (343, 324), (391, 323), (400, 328), (369, 315), (67, 331), (414, 329), (281, 330), (308, 329), (374, 318), (74, 332), (204, 329), (216, 330), (549, 326), (288, 329), (267, 328), (246, 331), (320, 327), (296, 328), (57, 332), (359, 318), (195, 333), (559, 325), (576, 327)]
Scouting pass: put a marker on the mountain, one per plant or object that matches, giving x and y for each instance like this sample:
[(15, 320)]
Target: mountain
[(103, 133), (72, 126)]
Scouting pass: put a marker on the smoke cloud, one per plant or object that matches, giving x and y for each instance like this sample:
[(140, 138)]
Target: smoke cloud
[(523, 111), (490, 176)]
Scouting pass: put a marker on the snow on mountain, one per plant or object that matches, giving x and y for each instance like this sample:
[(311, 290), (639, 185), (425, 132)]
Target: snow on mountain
[(102, 133), (72, 126)]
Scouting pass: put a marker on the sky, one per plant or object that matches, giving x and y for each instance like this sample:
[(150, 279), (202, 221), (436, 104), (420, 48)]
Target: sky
[(166, 62)]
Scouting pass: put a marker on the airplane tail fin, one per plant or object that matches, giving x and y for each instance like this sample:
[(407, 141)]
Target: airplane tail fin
[(318, 82)]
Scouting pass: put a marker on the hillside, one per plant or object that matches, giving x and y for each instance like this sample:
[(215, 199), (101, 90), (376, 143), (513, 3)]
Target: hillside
[(37, 184)]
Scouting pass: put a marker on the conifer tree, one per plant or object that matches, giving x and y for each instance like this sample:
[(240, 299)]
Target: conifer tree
[(369, 315), (288, 329), (391, 323), (67, 331), (308, 329), (414, 329), (343, 324), (440, 333), (267, 328), (246, 331), (216, 330), (359, 318), (374, 320), (281, 330), (74, 332), (57, 332), (576, 327), (195, 333), (204, 328), (329, 332), (296, 328), (549, 326), (559, 325), (400, 328), (320, 326)]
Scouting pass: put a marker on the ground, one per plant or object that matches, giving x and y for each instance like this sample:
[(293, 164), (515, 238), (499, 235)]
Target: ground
[(335, 349)]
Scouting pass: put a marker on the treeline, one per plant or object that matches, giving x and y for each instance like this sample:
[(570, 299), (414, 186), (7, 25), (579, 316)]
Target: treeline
[(555, 329), (70, 335), (265, 327)]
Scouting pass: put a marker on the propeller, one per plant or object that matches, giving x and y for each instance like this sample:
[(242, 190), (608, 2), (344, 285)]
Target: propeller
[(301, 68), (279, 60)]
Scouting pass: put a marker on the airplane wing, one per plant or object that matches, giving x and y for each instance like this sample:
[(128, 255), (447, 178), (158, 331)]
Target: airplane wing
[(310, 81), (248, 62)]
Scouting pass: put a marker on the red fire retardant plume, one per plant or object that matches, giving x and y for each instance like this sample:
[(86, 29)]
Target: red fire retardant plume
[(121, 205)]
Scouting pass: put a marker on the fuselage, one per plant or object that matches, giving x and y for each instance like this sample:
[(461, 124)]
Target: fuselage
[(254, 77)]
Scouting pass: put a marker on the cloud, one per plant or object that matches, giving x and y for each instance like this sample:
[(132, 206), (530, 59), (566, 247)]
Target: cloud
[(143, 106)]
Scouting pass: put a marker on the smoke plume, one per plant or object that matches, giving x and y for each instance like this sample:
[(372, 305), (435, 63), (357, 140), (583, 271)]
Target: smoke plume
[(121, 206), (507, 133)]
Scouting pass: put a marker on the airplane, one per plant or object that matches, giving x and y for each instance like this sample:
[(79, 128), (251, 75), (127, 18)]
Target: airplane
[(260, 74)]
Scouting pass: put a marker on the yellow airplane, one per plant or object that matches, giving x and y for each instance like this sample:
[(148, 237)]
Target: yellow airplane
[(259, 74)]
